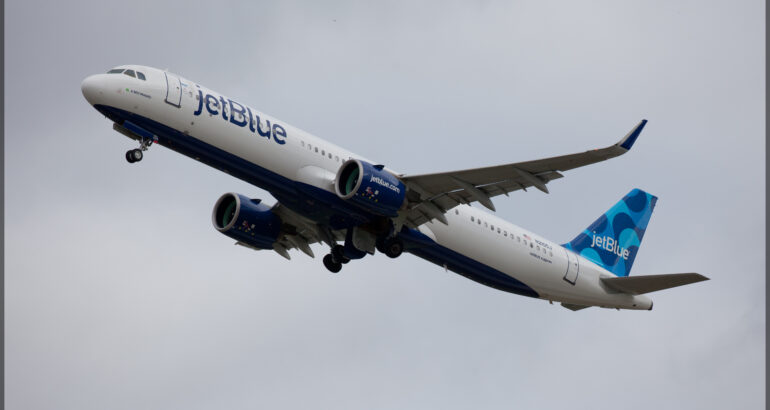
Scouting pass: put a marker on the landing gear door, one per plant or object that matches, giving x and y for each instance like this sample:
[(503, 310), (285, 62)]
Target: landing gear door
[(173, 90), (573, 267)]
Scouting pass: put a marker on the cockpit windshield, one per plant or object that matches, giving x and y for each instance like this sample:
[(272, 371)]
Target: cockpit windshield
[(130, 73)]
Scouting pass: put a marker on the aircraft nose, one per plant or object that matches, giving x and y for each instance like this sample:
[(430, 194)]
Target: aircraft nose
[(92, 88)]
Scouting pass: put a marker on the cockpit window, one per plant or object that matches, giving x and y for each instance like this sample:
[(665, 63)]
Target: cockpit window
[(116, 71), (130, 73), (139, 75)]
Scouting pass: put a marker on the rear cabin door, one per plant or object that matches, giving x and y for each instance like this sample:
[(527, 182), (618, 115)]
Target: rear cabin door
[(173, 90), (573, 267)]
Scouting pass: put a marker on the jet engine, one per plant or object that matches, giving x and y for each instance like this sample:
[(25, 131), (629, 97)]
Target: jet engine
[(246, 220), (370, 187)]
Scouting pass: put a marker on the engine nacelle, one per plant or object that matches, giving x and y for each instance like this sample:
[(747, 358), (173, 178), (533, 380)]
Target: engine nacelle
[(370, 187), (246, 220)]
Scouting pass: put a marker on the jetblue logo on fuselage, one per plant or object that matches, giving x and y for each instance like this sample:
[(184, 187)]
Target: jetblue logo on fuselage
[(386, 184), (240, 116), (609, 245)]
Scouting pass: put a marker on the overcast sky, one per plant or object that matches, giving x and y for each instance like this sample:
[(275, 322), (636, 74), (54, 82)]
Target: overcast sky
[(121, 295)]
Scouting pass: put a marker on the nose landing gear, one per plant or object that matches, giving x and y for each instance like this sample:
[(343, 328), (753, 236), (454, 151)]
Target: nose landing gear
[(136, 155)]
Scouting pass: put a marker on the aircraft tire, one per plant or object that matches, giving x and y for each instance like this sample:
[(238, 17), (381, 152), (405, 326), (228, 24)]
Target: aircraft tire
[(339, 255), (380, 245), (393, 247), (332, 265)]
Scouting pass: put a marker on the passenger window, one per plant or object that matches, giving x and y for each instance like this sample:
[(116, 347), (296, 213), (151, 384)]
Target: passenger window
[(303, 143), (479, 221), (492, 226), (130, 73), (330, 155), (525, 242), (115, 71), (316, 149), (323, 152), (531, 245), (505, 233), (457, 212), (473, 220), (140, 76)]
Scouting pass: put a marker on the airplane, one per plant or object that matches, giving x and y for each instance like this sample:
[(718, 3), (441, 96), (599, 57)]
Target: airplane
[(357, 207)]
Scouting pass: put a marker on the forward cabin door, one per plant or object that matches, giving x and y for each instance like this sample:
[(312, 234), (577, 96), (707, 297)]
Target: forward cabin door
[(173, 90), (573, 267)]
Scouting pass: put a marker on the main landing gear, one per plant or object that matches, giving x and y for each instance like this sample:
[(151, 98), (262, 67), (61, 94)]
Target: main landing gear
[(336, 259), (393, 247), (332, 264), (136, 155)]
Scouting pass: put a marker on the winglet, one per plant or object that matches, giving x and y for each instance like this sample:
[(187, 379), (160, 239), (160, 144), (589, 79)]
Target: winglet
[(628, 141)]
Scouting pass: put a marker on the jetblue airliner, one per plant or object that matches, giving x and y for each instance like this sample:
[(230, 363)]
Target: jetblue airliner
[(355, 206)]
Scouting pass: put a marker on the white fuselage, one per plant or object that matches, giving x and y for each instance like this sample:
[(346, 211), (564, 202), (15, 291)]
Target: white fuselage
[(555, 273)]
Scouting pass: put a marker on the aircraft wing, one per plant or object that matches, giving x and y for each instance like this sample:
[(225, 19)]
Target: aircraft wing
[(438, 193)]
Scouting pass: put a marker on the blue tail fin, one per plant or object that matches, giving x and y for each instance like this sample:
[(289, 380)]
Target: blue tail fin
[(614, 239)]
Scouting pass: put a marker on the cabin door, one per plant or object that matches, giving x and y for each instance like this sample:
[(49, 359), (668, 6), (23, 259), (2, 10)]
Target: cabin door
[(173, 90), (573, 267)]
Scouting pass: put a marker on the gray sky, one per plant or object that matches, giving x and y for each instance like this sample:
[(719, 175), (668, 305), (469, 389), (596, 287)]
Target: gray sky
[(121, 295)]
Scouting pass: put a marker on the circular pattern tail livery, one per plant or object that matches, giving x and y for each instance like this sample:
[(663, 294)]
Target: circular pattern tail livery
[(613, 240)]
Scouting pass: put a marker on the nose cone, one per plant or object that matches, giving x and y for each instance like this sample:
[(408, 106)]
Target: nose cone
[(92, 88)]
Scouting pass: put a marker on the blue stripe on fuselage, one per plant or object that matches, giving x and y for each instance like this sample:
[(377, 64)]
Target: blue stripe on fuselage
[(315, 203)]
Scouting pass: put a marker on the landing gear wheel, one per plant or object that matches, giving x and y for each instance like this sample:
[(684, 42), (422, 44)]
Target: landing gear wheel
[(380, 245), (331, 264), (134, 155), (393, 247), (339, 255)]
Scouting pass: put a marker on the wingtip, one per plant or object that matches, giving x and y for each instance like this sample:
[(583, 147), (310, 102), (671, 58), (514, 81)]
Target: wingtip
[(628, 141), (702, 277)]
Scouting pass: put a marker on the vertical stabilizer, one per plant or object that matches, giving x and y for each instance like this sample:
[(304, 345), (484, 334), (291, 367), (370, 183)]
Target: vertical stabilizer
[(613, 241)]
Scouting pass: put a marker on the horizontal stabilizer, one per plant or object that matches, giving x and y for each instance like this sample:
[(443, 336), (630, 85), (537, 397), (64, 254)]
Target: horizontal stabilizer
[(572, 307), (637, 285)]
